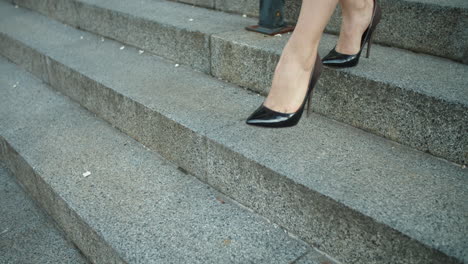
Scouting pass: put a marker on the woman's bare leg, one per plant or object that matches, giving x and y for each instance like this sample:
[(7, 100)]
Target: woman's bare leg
[(356, 15), (296, 63)]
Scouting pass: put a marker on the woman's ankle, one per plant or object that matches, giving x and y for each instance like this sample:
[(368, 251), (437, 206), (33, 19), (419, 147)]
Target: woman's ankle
[(302, 56), (356, 18)]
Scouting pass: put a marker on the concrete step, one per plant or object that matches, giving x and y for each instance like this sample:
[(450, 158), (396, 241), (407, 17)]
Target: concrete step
[(28, 236), (437, 27), (354, 195), (418, 100), (135, 206)]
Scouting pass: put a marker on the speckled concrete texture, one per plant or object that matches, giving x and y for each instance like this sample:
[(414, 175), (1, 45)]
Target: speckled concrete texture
[(203, 3), (243, 7), (171, 30), (135, 203), (391, 94), (359, 173), (315, 257), (27, 235), (437, 29), (356, 196)]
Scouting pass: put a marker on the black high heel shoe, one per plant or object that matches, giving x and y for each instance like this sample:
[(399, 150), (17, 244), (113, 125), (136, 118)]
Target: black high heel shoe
[(336, 59), (266, 117)]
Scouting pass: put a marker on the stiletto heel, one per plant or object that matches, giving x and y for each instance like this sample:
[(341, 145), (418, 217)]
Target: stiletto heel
[(266, 117), (369, 43), (336, 59)]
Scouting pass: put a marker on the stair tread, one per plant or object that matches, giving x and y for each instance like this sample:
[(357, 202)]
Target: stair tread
[(412, 192), (27, 235), (176, 15), (158, 214)]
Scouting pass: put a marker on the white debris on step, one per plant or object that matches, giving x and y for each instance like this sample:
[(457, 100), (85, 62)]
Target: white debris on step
[(81, 37), (190, 19), (278, 35), (141, 51), (177, 65), (86, 174), (15, 85), (123, 47), (244, 15), (102, 39)]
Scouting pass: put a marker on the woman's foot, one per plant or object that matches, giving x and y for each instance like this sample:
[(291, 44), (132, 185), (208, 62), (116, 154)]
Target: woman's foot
[(357, 15), (293, 71), (291, 78)]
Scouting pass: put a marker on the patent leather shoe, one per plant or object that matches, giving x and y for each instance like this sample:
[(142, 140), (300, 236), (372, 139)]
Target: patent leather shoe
[(336, 59), (266, 117)]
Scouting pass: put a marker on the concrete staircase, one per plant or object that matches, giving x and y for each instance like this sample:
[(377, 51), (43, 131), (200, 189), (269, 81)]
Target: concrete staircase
[(341, 191)]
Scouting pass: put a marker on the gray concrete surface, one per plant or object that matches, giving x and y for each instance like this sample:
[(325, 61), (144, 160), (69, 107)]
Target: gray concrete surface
[(203, 3), (135, 206), (414, 99), (437, 27), (314, 258), (354, 195), (170, 29), (26, 234)]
